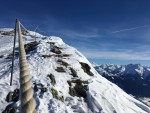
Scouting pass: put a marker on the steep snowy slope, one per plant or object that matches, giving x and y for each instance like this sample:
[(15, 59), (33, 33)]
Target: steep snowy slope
[(73, 85)]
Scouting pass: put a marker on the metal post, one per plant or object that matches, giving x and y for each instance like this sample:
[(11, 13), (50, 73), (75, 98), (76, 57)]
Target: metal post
[(15, 30), (35, 32)]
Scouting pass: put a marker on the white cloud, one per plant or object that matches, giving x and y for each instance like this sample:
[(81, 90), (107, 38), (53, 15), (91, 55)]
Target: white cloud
[(117, 55), (129, 29), (79, 34)]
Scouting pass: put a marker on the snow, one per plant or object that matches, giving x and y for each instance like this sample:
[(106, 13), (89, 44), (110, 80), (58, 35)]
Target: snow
[(102, 95), (104, 99), (128, 70), (6, 29), (109, 69)]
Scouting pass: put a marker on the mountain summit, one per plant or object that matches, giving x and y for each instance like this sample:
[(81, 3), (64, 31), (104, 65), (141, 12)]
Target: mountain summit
[(63, 79)]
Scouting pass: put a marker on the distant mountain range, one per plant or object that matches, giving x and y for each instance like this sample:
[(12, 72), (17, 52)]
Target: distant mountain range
[(132, 78)]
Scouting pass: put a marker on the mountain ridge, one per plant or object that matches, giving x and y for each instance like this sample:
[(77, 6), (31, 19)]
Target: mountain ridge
[(71, 84), (133, 78), (134, 69)]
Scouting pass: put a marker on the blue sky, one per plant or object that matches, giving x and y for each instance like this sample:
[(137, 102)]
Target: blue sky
[(105, 31)]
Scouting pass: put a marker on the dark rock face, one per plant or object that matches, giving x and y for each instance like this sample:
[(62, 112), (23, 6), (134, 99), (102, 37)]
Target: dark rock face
[(51, 43), (1, 56), (30, 46), (16, 95), (56, 55), (56, 50), (41, 87), (10, 109), (24, 32), (10, 56), (73, 72), (35, 87), (60, 69), (63, 63), (55, 95), (9, 97), (86, 68), (77, 81), (52, 78), (8, 33), (72, 91), (79, 89), (13, 96), (44, 89)]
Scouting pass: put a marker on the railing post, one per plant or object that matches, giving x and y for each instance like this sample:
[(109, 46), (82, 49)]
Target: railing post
[(12, 68), (28, 103)]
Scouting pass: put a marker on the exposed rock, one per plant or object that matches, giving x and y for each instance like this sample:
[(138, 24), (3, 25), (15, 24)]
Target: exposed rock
[(1, 56), (16, 95), (24, 32), (81, 90), (78, 90), (52, 77), (30, 46), (51, 43), (72, 91), (60, 69), (56, 50), (8, 33), (86, 68), (57, 47), (56, 55), (35, 87), (10, 56), (77, 81), (13, 96), (69, 83), (10, 109), (9, 97), (41, 87), (66, 55), (11, 32), (46, 56), (43, 90), (61, 98), (73, 72), (63, 63), (55, 95)]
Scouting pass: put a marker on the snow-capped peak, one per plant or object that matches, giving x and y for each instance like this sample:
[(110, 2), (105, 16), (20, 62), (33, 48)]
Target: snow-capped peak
[(127, 70)]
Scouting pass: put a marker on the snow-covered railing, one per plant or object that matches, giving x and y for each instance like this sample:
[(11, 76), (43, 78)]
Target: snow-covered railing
[(28, 103)]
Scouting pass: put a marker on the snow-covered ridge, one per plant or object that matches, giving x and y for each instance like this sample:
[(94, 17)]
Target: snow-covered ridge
[(63, 69)]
